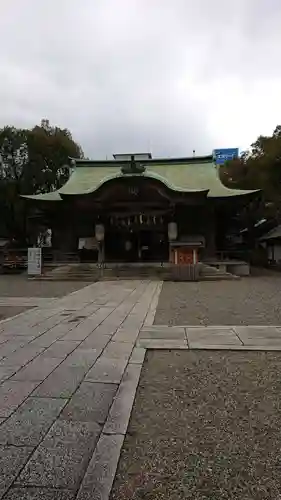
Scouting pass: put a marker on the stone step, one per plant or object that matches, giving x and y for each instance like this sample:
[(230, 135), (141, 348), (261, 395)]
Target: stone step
[(133, 278), (91, 273), (223, 277), (211, 273), (86, 279)]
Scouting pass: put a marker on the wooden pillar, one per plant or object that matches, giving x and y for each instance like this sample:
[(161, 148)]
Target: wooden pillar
[(101, 253), (210, 232), (194, 256)]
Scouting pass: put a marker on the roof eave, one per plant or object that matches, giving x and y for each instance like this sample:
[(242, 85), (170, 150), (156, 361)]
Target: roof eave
[(237, 194), (41, 198)]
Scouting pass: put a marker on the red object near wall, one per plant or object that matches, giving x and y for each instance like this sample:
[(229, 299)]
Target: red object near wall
[(184, 256)]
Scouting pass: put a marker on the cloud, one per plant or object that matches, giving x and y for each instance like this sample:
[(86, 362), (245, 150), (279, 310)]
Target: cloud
[(133, 75)]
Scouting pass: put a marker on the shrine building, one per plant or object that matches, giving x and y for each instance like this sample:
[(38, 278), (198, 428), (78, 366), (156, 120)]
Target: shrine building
[(135, 208)]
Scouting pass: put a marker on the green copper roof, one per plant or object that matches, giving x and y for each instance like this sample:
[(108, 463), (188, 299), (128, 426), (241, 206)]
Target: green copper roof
[(52, 196), (183, 175)]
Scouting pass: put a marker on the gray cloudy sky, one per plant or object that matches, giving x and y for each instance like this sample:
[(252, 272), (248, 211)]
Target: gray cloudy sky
[(131, 75)]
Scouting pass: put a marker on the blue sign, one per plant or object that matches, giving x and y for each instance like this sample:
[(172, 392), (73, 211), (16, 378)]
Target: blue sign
[(223, 155)]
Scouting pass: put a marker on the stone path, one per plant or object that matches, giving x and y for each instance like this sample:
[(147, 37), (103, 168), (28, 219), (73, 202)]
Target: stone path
[(210, 337), (69, 371)]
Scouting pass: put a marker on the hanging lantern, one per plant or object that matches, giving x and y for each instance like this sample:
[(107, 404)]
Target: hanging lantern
[(172, 231), (128, 245), (99, 232)]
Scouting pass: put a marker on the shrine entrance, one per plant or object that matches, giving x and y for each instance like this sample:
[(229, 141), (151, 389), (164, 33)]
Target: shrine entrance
[(137, 238), (135, 212)]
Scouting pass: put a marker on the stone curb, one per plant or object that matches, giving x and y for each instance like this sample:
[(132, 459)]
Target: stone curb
[(98, 480)]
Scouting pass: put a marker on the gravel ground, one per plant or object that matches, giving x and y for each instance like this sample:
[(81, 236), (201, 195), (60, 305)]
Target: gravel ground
[(19, 285), (205, 425), (255, 300)]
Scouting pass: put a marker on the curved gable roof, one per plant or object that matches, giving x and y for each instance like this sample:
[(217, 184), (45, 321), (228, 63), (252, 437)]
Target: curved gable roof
[(182, 175)]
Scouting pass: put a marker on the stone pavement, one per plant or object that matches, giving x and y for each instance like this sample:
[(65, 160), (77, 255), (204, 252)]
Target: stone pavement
[(69, 371), (210, 337)]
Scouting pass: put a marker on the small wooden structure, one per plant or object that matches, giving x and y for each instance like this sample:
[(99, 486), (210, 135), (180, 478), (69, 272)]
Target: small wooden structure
[(187, 250), (272, 240)]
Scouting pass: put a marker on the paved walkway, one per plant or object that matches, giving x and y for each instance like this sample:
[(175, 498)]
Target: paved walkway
[(69, 371), (210, 337)]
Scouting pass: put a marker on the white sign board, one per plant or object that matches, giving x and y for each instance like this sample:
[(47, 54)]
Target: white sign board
[(34, 262), (87, 243)]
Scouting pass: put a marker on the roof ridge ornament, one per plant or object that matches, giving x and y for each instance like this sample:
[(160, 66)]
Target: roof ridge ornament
[(132, 167)]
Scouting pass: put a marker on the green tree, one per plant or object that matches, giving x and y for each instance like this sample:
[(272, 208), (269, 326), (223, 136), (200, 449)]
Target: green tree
[(49, 149), (259, 167), (31, 161), (13, 163)]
